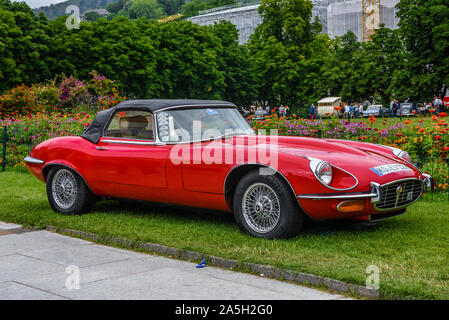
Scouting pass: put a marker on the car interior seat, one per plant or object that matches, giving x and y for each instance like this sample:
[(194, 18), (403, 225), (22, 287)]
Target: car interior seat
[(134, 127)]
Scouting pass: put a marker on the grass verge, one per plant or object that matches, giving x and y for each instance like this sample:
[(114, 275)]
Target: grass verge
[(411, 250)]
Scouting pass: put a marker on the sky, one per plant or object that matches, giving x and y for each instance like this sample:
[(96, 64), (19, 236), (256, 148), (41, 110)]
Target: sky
[(39, 3)]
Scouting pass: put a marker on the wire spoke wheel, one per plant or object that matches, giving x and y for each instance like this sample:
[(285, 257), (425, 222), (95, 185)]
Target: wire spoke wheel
[(64, 188), (261, 208)]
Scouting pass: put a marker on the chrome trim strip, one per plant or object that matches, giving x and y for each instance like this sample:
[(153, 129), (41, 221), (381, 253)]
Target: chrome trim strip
[(400, 180), (198, 106), (33, 160), (375, 193), (339, 196), (375, 188), (136, 142)]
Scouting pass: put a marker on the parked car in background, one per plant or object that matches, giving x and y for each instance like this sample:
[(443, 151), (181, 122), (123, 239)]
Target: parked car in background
[(375, 110), (407, 109), (423, 108), (326, 107), (131, 151), (260, 114)]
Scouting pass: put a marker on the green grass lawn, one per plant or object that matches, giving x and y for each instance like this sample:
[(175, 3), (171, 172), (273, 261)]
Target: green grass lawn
[(411, 250)]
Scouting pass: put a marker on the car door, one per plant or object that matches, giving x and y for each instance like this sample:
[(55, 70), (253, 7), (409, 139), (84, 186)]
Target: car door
[(128, 162)]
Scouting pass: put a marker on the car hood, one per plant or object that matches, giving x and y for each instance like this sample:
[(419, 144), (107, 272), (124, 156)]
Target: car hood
[(338, 153)]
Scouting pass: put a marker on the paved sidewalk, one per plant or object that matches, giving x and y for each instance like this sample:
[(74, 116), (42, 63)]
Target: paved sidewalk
[(38, 264)]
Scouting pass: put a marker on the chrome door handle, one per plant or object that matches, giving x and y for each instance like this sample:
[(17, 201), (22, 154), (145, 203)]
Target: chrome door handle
[(101, 148)]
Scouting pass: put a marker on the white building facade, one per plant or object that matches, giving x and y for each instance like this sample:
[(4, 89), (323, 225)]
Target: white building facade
[(336, 16)]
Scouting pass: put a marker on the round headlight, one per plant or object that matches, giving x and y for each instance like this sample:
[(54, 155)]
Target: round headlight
[(402, 154), (322, 170)]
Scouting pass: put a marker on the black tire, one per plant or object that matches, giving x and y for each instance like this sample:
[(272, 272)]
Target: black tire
[(289, 219), (83, 200)]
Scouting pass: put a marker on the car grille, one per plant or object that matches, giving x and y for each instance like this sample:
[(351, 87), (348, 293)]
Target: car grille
[(399, 194)]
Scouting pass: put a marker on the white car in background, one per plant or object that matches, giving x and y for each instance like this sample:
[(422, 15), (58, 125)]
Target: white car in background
[(260, 114), (374, 110)]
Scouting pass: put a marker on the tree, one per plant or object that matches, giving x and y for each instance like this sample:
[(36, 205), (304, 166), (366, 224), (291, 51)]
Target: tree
[(425, 27), (92, 16), (172, 7), (115, 7), (280, 49), (234, 61), (23, 45), (193, 7), (385, 67), (149, 9), (341, 69)]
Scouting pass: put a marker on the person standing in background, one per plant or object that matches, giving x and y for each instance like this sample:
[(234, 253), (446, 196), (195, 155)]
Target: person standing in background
[(360, 110), (439, 105), (347, 112), (312, 111), (394, 109)]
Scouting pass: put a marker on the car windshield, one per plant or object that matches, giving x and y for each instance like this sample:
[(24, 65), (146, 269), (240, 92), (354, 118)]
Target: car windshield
[(200, 124), (374, 108)]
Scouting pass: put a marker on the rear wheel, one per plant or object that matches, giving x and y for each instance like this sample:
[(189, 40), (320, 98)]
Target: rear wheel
[(265, 207), (67, 192)]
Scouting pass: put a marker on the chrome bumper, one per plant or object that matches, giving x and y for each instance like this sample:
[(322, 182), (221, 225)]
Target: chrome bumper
[(338, 196), (375, 194), (33, 160)]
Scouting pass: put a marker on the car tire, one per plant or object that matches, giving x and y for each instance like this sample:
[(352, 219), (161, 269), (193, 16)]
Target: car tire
[(265, 207), (67, 192)]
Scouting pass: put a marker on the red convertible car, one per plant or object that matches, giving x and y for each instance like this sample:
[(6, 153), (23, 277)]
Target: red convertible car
[(204, 154)]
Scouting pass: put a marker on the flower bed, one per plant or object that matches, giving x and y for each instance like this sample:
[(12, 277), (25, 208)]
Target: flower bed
[(426, 140), (421, 141), (27, 131), (70, 95)]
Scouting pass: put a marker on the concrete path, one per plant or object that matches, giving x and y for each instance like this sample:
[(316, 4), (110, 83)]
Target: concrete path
[(45, 265)]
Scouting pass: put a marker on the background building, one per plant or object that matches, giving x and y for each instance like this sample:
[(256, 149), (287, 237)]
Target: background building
[(347, 15), (336, 16), (245, 18)]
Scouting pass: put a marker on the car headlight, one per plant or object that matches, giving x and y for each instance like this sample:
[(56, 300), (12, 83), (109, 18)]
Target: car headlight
[(428, 182), (402, 154), (322, 170), (399, 153)]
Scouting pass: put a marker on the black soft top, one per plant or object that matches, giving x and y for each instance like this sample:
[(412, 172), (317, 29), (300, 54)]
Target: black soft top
[(95, 130)]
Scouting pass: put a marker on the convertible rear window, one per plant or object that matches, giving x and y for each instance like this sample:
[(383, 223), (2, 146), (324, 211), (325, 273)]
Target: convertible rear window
[(131, 124)]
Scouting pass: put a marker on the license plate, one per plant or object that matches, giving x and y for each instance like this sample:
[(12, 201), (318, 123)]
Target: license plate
[(390, 168)]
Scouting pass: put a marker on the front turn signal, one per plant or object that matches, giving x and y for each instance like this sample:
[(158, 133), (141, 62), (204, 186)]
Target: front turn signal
[(351, 206)]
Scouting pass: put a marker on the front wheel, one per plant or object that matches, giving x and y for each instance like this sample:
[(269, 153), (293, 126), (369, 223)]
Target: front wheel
[(67, 192), (265, 207)]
